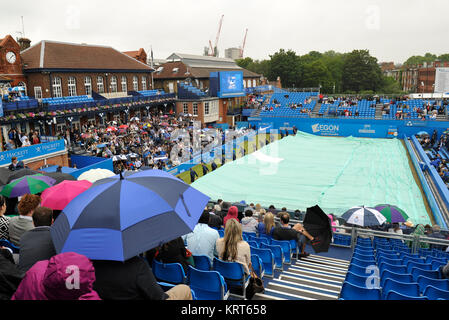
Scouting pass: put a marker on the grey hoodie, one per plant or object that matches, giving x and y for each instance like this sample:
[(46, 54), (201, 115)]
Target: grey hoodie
[(249, 224)]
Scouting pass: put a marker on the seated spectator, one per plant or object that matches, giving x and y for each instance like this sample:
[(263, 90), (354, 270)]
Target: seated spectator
[(444, 271), (133, 280), (285, 232), (217, 206), (215, 221), (249, 224), (232, 214), (20, 224), (267, 226), (36, 244), (203, 239), (54, 279), (15, 164), (4, 220), (10, 276), (396, 229), (174, 251), (232, 247)]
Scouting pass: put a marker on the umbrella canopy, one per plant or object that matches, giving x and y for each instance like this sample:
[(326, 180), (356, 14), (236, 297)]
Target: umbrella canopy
[(5, 173), (165, 124), (392, 213), (121, 217), (86, 135), (318, 224), (364, 216), (58, 196), (27, 185), (422, 133), (111, 129), (96, 174), (21, 173), (124, 126), (60, 176)]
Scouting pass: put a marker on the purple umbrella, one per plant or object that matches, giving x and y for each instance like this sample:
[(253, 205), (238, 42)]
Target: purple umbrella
[(27, 185), (392, 213)]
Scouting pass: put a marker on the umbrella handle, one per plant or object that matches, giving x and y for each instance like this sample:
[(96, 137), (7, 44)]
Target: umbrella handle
[(185, 206)]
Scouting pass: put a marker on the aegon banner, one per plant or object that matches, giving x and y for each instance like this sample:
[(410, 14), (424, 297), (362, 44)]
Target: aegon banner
[(34, 151)]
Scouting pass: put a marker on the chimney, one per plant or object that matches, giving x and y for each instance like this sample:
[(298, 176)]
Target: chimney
[(24, 43), (278, 82)]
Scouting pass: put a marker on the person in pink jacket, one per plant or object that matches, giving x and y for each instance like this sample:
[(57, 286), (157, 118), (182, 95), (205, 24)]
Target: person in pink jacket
[(66, 276), (233, 213)]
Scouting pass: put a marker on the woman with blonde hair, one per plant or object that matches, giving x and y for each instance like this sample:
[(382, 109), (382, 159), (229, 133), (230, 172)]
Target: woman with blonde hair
[(267, 226), (232, 247)]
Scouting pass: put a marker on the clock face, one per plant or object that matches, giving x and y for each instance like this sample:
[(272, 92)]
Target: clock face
[(11, 57)]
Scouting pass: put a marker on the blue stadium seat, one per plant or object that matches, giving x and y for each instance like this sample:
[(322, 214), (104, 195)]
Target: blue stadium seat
[(406, 288), (363, 263), (202, 262), (401, 277), (277, 252), (361, 281), (358, 270), (286, 249), (257, 264), (397, 262), (353, 292), (169, 272), (221, 233), (366, 257), (208, 285), (253, 243), (412, 264), (391, 267), (434, 293), (363, 251), (393, 295), (267, 258), (424, 281), (416, 272), (10, 245), (234, 276)]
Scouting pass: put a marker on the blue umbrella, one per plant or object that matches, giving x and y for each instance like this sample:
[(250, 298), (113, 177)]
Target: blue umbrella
[(121, 217)]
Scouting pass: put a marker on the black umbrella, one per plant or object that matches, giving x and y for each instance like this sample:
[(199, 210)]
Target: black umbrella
[(5, 173), (21, 173), (59, 176), (318, 224)]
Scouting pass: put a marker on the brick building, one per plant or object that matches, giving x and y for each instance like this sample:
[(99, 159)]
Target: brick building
[(139, 55), (56, 69), (11, 63)]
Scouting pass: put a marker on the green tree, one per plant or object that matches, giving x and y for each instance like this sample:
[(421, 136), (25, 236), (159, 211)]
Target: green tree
[(315, 74), (285, 64), (361, 72), (390, 86)]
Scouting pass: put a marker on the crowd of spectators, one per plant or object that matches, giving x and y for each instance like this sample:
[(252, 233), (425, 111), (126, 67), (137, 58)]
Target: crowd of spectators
[(17, 139)]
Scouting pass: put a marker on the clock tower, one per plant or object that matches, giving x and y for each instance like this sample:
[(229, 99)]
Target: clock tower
[(11, 66)]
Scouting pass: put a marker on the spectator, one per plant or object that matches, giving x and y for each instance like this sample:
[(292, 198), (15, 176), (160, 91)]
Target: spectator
[(215, 221), (436, 233), (249, 224), (132, 280), (4, 220), (20, 224), (193, 174), (232, 214), (217, 206), (205, 168), (36, 244), (52, 279), (444, 271), (232, 247), (10, 276), (203, 239), (285, 232), (15, 164), (214, 165), (419, 231), (174, 251), (267, 226)]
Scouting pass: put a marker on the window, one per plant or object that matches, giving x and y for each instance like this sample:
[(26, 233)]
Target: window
[(88, 85), (72, 86), (57, 88), (113, 84), (124, 84), (206, 108), (144, 83), (135, 83), (195, 108), (185, 107), (38, 92), (254, 83), (100, 85)]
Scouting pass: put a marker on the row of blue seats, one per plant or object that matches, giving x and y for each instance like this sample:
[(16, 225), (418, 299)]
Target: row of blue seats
[(386, 269)]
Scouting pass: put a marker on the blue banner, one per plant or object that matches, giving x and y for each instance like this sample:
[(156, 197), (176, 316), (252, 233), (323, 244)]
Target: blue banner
[(37, 150), (1, 107)]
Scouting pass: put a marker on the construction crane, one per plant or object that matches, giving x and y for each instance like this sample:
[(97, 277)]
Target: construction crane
[(213, 50), (242, 49)]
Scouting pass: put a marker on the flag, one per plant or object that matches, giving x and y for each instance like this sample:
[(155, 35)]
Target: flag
[(152, 63)]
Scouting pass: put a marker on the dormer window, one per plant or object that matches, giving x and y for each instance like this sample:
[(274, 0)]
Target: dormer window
[(175, 70)]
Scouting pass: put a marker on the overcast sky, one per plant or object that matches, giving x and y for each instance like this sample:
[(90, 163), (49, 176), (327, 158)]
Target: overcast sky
[(392, 30)]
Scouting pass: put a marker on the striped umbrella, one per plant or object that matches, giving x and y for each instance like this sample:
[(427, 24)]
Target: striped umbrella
[(363, 216), (392, 213), (27, 185)]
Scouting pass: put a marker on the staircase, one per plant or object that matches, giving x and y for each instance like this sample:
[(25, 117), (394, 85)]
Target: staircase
[(312, 278), (315, 110), (378, 114)]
